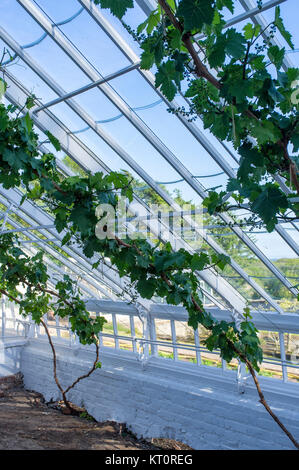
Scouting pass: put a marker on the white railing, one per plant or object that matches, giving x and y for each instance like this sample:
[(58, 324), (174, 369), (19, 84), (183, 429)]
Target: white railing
[(162, 332)]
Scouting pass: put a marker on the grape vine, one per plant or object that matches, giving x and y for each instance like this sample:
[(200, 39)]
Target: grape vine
[(236, 84), (258, 117)]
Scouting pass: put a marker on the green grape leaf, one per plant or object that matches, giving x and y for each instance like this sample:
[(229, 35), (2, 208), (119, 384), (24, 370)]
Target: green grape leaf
[(216, 56), (30, 101), (295, 142), (175, 39), (268, 203), (235, 43), (199, 261), (28, 123), (229, 4), (196, 13), (276, 55), (213, 201), (55, 142), (150, 23), (230, 43), (221, 260), (217, 123), (279, 23), (251, 31), (147, 60), (118, 8), (15, 158), (165, 78), (146, 287), (153, 48), (81, 216), (180, 59), (265, 131), (250, 160)]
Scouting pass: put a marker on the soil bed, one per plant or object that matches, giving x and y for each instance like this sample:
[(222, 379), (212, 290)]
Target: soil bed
[(28, 423)]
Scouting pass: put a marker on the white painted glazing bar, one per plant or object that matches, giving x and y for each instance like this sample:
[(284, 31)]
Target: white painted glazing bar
[(173, 337), (133, 334), (57, 325), (197, 344), (283, 357), (153, 336), (85, 88), (3, 317), (115, 330)]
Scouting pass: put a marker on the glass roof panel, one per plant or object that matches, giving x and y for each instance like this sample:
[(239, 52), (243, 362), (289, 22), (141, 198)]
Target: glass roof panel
[(133, 18), (24, 74), (173, 133), (107, 58), (17, 22)]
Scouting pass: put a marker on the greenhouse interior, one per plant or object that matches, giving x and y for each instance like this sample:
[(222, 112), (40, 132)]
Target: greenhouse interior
[(149, 199)]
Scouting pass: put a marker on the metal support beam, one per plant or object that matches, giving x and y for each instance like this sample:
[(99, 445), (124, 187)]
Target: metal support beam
[(259, 19), (252, 12), (36, 227), (248, 14), (85, 88), (48, 249), (28, 212), (6, 214), (267, 320), (147, 5)]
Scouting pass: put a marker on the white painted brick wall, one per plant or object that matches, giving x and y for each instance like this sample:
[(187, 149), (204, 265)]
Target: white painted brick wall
[(198, 406)]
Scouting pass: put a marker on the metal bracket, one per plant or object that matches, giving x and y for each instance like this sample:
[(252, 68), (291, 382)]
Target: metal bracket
[(241, 372)]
